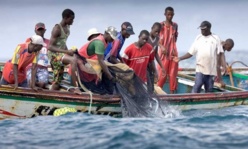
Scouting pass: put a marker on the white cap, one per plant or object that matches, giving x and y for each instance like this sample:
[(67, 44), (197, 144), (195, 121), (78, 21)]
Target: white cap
[(36, 39), (92, 31)]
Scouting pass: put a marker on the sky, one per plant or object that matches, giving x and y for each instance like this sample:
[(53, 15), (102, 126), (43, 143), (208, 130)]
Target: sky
[(228, 18)]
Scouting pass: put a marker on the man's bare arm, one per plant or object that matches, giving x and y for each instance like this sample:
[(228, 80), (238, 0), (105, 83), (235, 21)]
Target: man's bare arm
[(56, 32), (103, 65), (15, 69), (186, 56), (33, 74)]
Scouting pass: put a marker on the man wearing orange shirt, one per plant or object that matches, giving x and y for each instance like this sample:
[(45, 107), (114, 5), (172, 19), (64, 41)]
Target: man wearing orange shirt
[(14, 71)]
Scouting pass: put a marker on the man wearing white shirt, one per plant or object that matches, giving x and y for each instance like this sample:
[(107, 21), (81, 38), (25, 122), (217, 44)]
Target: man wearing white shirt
[(207, 48)]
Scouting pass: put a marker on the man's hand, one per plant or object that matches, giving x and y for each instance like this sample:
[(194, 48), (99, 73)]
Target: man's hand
[(155, 77), (176, 59), (163, 50), (163, 72), (222, 84), (70, 52)]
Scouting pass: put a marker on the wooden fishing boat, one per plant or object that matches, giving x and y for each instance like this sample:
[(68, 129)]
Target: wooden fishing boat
[(237, 77), (26, 103)]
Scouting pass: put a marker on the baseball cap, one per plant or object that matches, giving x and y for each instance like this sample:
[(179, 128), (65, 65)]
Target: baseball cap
[(39, 26), (112, 32), (36, 39), (128, 27), (92, 31), (204, 25)]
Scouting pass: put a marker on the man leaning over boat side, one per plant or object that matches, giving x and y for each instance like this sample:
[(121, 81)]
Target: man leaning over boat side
[(94, 51), (207, 48), (227, 45), (112, 52), (41, 73), (59, 54), (14, 71)]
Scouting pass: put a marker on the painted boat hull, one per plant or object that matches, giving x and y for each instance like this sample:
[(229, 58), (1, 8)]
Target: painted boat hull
[(25, 103)]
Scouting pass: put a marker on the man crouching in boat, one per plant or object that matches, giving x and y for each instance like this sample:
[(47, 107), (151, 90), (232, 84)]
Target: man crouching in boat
[(14, 71), (94, 51)]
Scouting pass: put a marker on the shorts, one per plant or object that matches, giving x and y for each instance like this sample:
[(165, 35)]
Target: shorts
[(57, 66), (22, 84), (206, 80), (42, 75)]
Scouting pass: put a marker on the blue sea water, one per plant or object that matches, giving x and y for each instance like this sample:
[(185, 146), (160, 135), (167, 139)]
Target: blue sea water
[(225, 128)]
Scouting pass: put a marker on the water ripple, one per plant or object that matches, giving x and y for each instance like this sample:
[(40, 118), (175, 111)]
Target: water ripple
[(221, 128)]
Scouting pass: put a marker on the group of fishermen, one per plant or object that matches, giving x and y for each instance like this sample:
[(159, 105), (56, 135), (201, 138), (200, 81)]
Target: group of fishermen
[(90, 64)]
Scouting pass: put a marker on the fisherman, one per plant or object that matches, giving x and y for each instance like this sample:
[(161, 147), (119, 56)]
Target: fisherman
[(168, 49), (112, 52), (153, 40), (41, 72), (14, 71), (59, 54), (207, 48), (138, 55), (227, 45), (94, 50), (92, 33)]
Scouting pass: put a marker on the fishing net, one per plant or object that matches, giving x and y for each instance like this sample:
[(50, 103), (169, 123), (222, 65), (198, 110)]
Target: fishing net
[(136, 100)]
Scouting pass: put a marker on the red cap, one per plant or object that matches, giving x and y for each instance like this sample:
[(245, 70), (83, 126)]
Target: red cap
[(39, 26)]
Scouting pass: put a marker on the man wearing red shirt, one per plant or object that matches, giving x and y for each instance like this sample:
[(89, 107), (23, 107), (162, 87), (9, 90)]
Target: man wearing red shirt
[(138, 55)]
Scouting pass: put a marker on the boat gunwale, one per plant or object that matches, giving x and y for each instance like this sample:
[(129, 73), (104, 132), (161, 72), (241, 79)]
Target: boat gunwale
[(70, 97)]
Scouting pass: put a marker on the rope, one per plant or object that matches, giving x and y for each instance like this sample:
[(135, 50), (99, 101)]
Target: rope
[(238, 62), (229, 68), (70, 88), (86, 90)]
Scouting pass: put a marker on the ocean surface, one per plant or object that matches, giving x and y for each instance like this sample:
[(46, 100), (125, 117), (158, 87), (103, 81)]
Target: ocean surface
[(225, 128)]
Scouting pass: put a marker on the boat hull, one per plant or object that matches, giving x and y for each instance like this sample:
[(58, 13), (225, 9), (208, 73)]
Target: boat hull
[(25, 103)]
